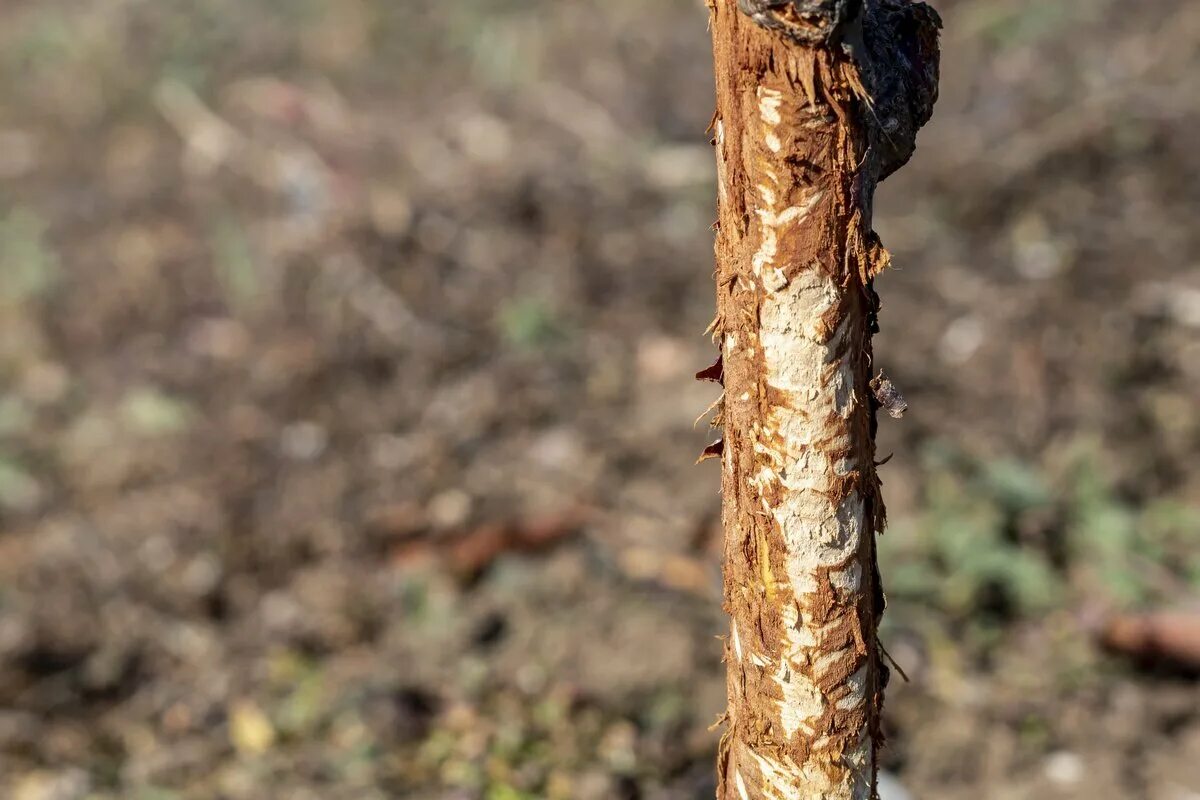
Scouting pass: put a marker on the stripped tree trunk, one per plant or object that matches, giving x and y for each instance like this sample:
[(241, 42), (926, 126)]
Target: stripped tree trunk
[(816, 102)]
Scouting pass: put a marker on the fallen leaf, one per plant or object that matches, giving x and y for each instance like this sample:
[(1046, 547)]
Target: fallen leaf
[(249, 729)]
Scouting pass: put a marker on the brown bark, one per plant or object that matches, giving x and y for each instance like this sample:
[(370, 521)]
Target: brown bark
[(816, 102)]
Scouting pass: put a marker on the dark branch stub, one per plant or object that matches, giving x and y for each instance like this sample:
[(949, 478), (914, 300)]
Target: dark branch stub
[(900, 64)]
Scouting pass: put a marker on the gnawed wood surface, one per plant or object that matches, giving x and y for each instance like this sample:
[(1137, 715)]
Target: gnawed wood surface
[(798, 161)]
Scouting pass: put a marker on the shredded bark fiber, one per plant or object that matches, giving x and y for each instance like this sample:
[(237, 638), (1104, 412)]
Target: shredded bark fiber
[(799, 153)]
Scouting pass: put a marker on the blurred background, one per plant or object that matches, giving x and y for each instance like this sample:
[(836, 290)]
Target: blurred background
[(346, 402)]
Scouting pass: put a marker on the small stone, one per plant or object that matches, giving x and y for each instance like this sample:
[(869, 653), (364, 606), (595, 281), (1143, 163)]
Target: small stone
[(18, 153), (661, 359), (71, 785), (249, 729), (1036, 256), (303, 441), (594, 785), (45, 383), (559, 448), (891, 789), (391, 210), (450, 509), (390, 452), (1064, 768), (485, 139), (962, 339), (220, 339)]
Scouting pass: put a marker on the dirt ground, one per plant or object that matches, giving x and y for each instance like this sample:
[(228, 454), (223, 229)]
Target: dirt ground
[(346, 402)]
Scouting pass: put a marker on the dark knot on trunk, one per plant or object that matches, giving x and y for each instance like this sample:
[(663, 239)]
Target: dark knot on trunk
[(805, 21)]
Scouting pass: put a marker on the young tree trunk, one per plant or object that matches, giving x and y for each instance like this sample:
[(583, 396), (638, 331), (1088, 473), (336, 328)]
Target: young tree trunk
[(816, 102)]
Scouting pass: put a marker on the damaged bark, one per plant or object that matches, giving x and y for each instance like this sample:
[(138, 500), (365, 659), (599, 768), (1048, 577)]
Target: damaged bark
[(817, 101)]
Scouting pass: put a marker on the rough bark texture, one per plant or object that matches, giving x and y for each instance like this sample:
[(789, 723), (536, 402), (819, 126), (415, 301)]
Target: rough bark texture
[(816, 102)]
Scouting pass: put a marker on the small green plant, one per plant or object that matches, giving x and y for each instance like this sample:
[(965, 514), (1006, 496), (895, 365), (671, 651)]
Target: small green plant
[(234, 264), (149, 412), (962, 554), (28, 267), (19, 490), (1010, 538), (528, 323)]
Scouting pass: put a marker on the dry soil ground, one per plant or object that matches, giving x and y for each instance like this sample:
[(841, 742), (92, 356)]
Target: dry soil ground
[(346, 404)]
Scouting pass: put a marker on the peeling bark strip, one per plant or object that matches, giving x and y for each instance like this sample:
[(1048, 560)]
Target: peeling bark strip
[(816, 102)]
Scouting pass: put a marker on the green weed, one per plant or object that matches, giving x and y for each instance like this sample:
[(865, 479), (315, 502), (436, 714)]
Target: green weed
[(234, 264), (29, 269), (529, 324), (1005, 539), (149, 412)]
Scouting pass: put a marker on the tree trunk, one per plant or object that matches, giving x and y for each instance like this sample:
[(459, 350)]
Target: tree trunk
[(816, 102)]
